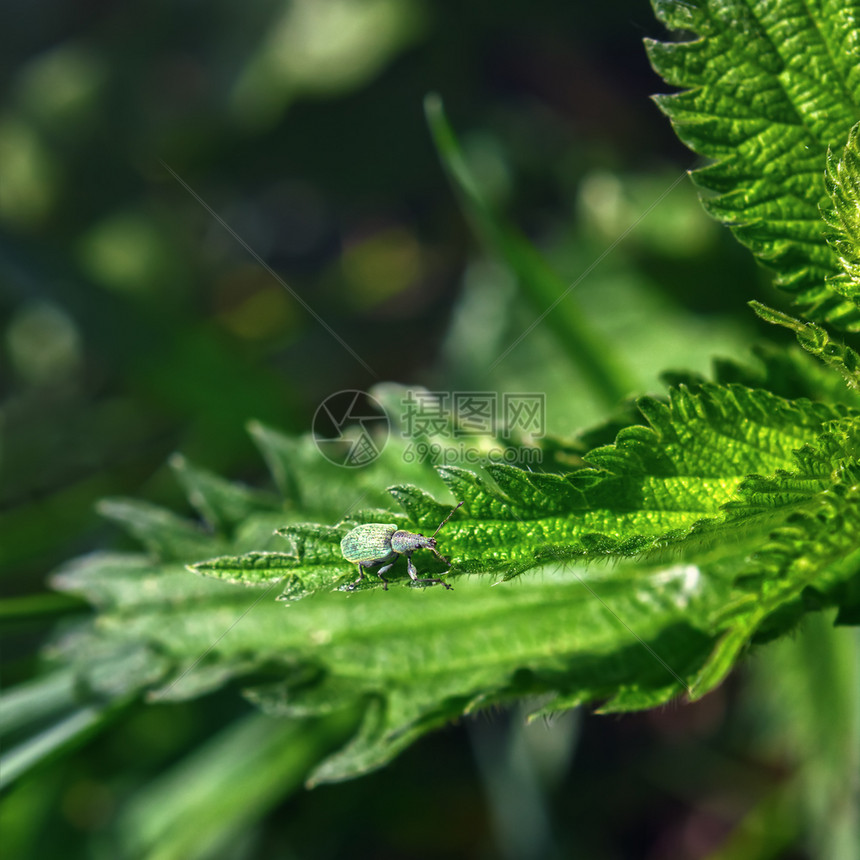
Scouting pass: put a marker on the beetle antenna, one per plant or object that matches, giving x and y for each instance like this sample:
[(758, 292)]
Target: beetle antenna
[(446, 519)]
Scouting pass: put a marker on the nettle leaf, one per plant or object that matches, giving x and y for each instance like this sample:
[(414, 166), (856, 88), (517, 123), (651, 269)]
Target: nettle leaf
[(222, 504), (412, 660), (327, 489), (673, 484), (769, 87), (167, 536), (659, 489), (843, 217), (811, 562), (731, 511)]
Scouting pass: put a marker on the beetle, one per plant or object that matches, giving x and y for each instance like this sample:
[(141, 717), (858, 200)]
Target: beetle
[(381, 543)]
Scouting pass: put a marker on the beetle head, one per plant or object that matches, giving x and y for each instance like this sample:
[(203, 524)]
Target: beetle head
[(422, 542), (405, 541)]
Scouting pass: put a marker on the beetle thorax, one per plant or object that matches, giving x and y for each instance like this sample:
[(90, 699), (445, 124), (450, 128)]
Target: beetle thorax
[(403, 541)]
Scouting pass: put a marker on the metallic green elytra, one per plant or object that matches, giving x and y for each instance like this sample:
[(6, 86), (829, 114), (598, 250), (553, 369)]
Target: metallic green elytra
[(381, 543)]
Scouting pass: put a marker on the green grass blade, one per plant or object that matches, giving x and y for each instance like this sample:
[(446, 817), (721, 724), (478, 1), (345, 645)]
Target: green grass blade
[(546, 292), (207, 799)]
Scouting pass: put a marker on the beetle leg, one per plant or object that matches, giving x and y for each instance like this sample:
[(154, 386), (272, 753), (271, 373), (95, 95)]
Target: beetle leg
[(384, 569), (413, 575), (363, 567), (351, 586)]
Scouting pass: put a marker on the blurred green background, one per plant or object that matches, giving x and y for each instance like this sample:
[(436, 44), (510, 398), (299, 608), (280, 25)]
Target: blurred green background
[(134, 324)]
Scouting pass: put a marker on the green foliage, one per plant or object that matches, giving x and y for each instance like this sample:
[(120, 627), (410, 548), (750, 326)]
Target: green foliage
[(713, 569), (539, 283), (192, 810), (816, 341), (659, 489), (769, 88), (843, 217), (639, 566), (406, 659)]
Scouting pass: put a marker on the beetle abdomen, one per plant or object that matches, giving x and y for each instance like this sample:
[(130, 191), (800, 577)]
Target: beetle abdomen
[(369, 542)]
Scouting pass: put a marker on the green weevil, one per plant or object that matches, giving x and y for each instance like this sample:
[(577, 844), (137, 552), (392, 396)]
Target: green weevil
[(381, 543)]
